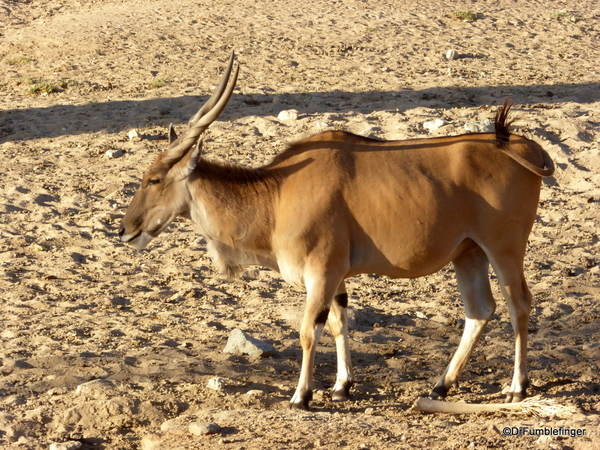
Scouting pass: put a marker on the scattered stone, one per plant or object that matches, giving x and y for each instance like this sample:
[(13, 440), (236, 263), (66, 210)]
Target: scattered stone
[(70, 445), (95, 388), (133, 135), (152, 442), (544, 440), (451, 55), (114, 153), (57, 391), (433, 125), (241, 343), (370, 130), (215, 383), (322, 125), (255, 393), (178, 425), (421, 315), (203, 429), (483, 126), (288, 114), (369, 411)]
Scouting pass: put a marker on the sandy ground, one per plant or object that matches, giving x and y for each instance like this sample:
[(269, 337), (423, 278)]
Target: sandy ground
[(79, 306)]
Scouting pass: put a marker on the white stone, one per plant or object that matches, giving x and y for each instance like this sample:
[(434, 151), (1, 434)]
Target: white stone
[(133, 135), (451, 54), (241, 343), (114, 153), (432, 125), (255, 393), (288, 114), (203, 429), (70, 445), (483, 126), (215, 383), (95, 388)]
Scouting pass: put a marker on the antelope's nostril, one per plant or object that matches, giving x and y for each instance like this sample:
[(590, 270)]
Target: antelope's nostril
[(121, 231)]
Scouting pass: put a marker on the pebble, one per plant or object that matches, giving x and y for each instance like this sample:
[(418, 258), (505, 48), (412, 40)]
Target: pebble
[(255, 393), (215, 383), (451, 55), (204, 429), (133, 135), (421, 315), (483, 126), (240, 342), (114, 153), (152, 442), (95, 388), (433, 125), (288, 114), (70, 445)]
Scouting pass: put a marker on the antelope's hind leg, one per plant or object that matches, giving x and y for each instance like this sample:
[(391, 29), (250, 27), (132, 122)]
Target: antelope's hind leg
[(471, 269), (518, 297), (338, 324)]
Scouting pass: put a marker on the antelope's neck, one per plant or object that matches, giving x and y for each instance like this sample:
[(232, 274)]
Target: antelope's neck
[(233, 205)]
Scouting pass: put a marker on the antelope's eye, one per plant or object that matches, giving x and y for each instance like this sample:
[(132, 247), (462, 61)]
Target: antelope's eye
[(153, 181)]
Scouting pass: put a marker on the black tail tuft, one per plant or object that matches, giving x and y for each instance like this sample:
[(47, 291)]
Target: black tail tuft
[(503, 124)]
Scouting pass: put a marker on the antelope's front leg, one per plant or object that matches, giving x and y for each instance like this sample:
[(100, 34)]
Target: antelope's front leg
[(318, 303), (338, 324)]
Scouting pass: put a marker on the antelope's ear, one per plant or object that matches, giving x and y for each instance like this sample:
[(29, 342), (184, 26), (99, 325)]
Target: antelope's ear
[(191, 159), (172, 134)]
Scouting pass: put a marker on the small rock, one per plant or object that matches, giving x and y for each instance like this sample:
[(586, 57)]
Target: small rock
[(433, 125), (421, 315), (152, 442), (451, 55), (369, 411), (544, 440), (255, 393), (240, 342), (114, 153), (204, 429), (483, 126), (215, 383), (178, 425), (95, 388), (70, 445), (288, 114), (133, 135), (322, 125)]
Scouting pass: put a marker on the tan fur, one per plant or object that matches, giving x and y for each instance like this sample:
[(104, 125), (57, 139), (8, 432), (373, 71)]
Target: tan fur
[(337, 205)]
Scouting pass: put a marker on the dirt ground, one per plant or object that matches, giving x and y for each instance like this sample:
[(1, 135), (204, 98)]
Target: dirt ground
[(148, 327)]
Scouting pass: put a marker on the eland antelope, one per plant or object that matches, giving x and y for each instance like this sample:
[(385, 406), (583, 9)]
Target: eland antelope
[(337, 205)]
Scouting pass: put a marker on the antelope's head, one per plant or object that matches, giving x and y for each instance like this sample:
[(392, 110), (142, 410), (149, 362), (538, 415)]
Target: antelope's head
[(163, 194)]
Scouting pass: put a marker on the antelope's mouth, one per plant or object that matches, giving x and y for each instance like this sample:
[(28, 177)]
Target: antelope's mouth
[(137, 241)]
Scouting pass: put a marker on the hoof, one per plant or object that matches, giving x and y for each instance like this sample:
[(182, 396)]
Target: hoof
[(301, 403), (514, 397), (299, 406), (438, 393), (342, 394)]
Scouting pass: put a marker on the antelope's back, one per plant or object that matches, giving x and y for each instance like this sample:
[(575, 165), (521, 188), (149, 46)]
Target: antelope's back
[(406, 208)]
